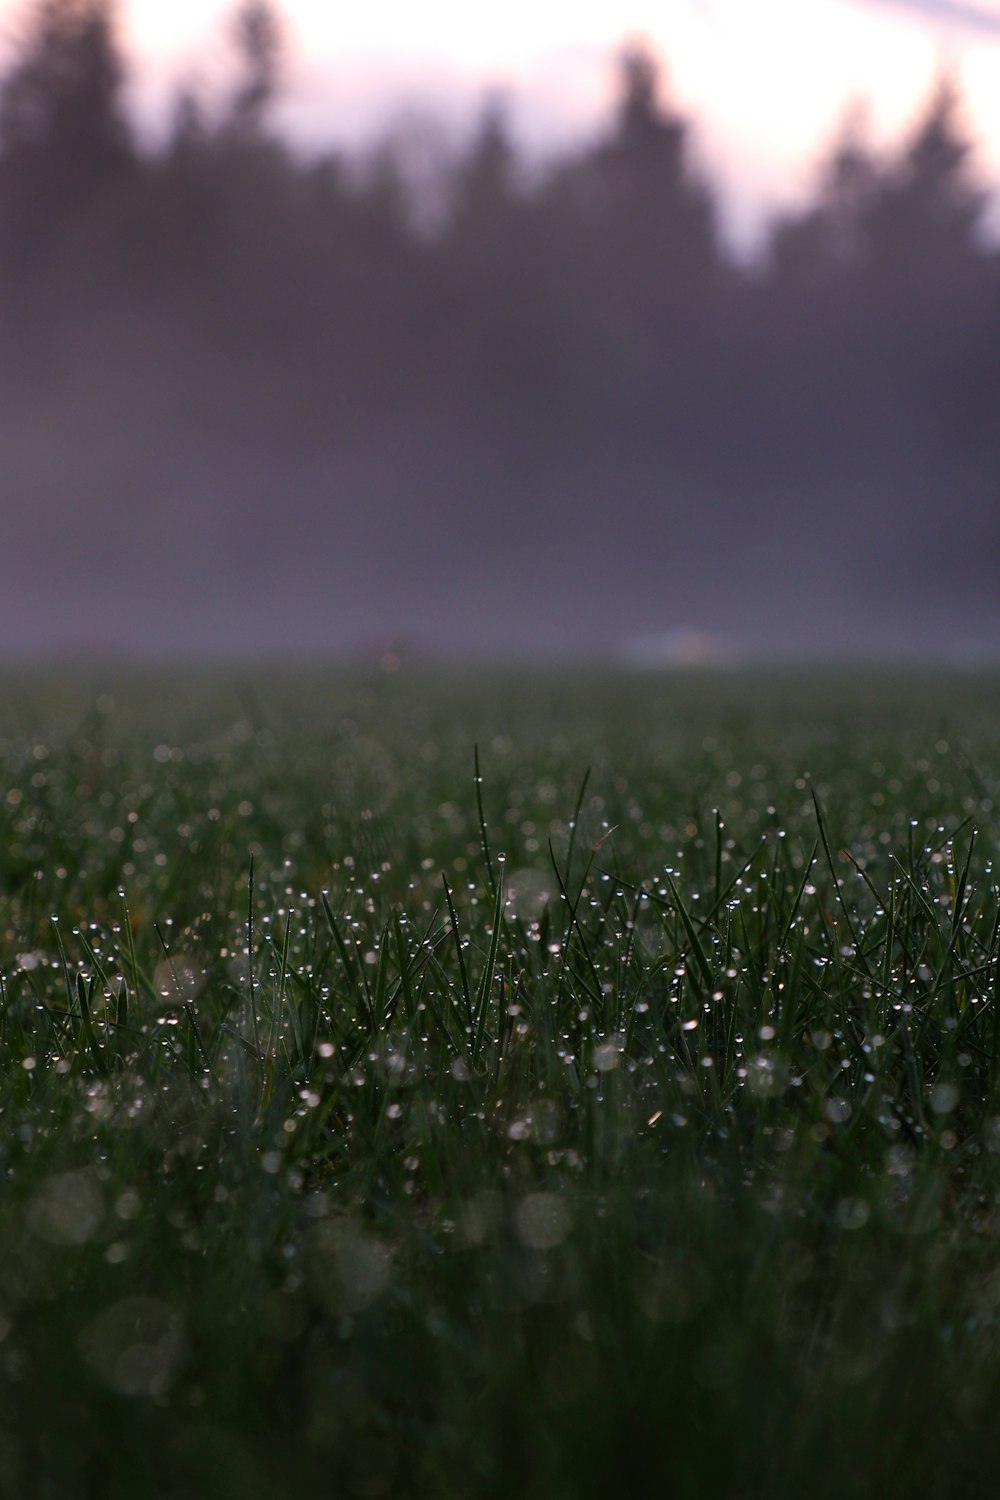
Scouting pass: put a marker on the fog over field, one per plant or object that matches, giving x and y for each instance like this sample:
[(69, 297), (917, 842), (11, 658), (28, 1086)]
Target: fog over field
[(260, 404)]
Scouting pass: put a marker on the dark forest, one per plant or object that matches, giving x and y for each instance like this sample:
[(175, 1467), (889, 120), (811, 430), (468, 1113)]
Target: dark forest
[(256, 403)]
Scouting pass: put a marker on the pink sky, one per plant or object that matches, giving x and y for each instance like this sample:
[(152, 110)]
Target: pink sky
[(765, 81)]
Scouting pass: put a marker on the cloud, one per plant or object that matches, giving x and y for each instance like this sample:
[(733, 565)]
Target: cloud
[(964, 15)]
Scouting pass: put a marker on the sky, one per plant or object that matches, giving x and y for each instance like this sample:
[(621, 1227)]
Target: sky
[(766, 82)]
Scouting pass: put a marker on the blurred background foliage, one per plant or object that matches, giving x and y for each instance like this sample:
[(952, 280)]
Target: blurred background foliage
[(433, 396)]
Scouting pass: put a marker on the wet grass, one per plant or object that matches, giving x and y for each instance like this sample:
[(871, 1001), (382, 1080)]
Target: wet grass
[(623, 1121)]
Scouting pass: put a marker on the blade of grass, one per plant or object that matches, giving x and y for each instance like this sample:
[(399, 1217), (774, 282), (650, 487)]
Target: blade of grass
[(462, 972), (484, 839), (486, 980), (355, 971), (253, 998)]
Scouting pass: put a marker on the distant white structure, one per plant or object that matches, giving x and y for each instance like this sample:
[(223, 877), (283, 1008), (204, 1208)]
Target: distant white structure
[(683, 646)]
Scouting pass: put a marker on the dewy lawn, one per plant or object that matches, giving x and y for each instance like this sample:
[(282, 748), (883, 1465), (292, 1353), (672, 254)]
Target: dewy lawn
[(422, 1085)]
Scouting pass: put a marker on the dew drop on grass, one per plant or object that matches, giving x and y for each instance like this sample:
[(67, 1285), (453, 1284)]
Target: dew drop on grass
[(136, 1346), (852, 1213), (944, 1097), (67, 1208), (606, 1057), (543, 1220)]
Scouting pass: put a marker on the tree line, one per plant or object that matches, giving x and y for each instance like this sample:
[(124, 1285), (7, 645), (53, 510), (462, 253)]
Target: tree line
[(564, 372)]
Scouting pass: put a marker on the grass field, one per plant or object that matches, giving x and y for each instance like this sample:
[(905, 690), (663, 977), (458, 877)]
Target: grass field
[(623, 1121)]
